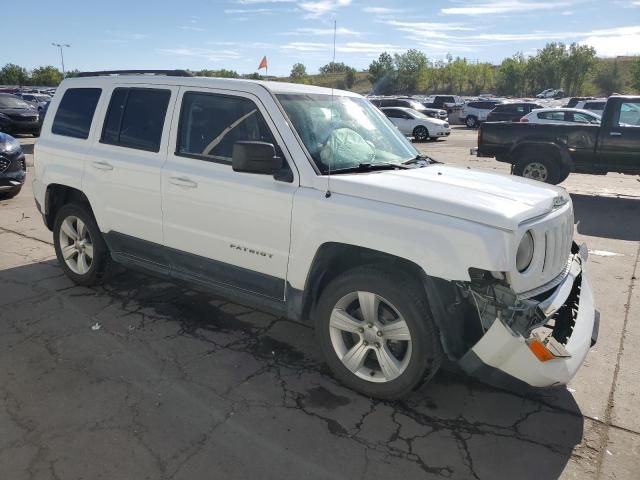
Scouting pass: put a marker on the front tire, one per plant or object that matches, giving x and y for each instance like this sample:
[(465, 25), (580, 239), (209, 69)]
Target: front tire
[(420, 133), (10, 194), (376, 332), (471, 121), (80, 248)]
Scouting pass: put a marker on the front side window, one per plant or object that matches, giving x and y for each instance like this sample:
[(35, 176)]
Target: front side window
[(75, 112), (211, 124), (135, 118), (342, 132)]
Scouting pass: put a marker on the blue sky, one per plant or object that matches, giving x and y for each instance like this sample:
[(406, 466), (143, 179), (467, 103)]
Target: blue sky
[(236, 34)]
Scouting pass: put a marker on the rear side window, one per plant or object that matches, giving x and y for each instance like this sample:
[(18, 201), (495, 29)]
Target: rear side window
[(135, 118), (211, 124), (558, 116), (594, 106), (75, 112)]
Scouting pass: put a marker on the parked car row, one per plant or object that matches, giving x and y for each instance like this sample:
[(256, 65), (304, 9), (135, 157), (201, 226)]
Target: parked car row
[(409, 103)]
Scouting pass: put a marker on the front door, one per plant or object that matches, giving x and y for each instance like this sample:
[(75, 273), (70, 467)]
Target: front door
[(223, 227), (619, 143)]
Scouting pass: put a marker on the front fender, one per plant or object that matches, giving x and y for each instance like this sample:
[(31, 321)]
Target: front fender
[(444, 247), (540, 145)]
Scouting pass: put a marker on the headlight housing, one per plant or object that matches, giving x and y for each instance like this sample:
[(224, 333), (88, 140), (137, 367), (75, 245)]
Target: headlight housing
[(9, 145), (524, 255)]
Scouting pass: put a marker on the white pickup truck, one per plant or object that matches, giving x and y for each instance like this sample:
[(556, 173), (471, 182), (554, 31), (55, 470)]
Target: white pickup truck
[(310, 204)]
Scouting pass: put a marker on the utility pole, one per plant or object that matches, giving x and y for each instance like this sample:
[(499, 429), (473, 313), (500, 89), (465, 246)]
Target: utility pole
[(61, 46)]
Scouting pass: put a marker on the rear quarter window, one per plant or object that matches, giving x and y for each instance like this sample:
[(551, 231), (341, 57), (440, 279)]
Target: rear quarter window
[(75, 112)]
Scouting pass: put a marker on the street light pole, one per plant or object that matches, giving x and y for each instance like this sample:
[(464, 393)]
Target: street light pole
[(61, 46)]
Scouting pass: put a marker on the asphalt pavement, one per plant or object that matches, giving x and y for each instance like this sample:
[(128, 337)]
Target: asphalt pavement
[(146, 379)]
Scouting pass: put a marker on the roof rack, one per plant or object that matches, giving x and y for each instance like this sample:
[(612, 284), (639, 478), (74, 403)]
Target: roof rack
[(168, 73)]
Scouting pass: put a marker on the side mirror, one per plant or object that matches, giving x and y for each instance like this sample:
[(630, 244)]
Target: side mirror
[(254, 157), (260, 158)]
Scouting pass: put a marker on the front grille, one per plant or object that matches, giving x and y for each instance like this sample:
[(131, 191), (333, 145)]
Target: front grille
[(4, 164), (22, 118), (557, 245)]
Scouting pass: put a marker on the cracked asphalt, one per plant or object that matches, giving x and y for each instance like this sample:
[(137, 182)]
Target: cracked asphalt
[(148, 379)]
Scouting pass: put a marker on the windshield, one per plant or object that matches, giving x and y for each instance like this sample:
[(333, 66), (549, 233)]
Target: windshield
[(9, 101), (343, 132)]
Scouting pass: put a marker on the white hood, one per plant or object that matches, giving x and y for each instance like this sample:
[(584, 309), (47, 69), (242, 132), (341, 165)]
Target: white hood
[(497, 200)]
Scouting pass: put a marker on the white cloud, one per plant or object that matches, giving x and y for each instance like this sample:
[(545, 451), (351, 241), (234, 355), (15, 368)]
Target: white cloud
[(349, 47), (211, 55), (502, 6), (383, 10), (322, 7), (247, 10), (321, 31), (192, 28)]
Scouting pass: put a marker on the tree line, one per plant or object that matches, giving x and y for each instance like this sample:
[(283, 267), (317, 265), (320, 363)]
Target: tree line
[(554, 66), (573, 68)]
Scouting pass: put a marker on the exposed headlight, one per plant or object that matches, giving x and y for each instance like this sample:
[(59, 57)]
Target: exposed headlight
[(10, 145), (525, 252)]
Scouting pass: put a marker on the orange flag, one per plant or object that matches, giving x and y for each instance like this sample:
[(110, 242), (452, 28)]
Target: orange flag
[(263, 63)]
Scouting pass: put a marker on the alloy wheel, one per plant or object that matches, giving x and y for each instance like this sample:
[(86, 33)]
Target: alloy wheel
[(76, 245), (536, 171), (370, 337)]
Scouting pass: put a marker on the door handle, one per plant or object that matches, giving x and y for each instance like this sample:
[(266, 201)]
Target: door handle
[(183, 182), (102, 165), (615, 134)]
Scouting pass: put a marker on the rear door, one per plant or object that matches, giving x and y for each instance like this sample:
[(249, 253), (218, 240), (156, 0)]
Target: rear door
[(619, 143), (400, 119), (122, 177)]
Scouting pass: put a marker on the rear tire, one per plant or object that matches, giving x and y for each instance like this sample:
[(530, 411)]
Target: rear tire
[(538, 167), (420, 133), (471, 121), (375, 329), (80, 247)]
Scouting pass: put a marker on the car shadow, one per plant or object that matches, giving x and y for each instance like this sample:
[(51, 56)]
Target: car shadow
[(27, 148), (609, 217), (206, 347)]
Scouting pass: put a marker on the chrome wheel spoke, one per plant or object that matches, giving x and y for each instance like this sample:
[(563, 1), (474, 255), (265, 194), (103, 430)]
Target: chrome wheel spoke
[(82, 263), (369, 303), (343, 321), (389, 364), (68, 229), (81, 229), (88, 250), (69, 251), (354, 358), (398, 330)]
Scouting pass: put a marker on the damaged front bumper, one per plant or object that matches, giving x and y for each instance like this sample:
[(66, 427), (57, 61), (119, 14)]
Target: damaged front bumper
[(569, 328)]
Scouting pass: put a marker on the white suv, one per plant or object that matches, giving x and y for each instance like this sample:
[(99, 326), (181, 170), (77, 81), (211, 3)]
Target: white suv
[(310, 204), (475, 112)]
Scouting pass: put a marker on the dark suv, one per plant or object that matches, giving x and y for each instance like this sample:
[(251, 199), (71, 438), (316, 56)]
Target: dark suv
[(511, 112), (18, 116), (12, 167)]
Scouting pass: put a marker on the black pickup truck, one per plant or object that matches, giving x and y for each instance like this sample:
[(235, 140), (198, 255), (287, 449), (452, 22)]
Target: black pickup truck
[(550, 152)]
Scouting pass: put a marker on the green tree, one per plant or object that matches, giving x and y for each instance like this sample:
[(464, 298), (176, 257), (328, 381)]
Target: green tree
[(298, 71), (545, 69), (635, 75), (349, 77), (46, 76), (382, 74), (512, 76), (607, 78), (577, 65), (12, 74), (334, 67), (459, 74), (411, 69)]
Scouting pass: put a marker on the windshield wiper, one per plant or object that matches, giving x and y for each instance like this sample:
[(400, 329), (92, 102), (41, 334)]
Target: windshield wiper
[(370, 167), (420, 159)]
